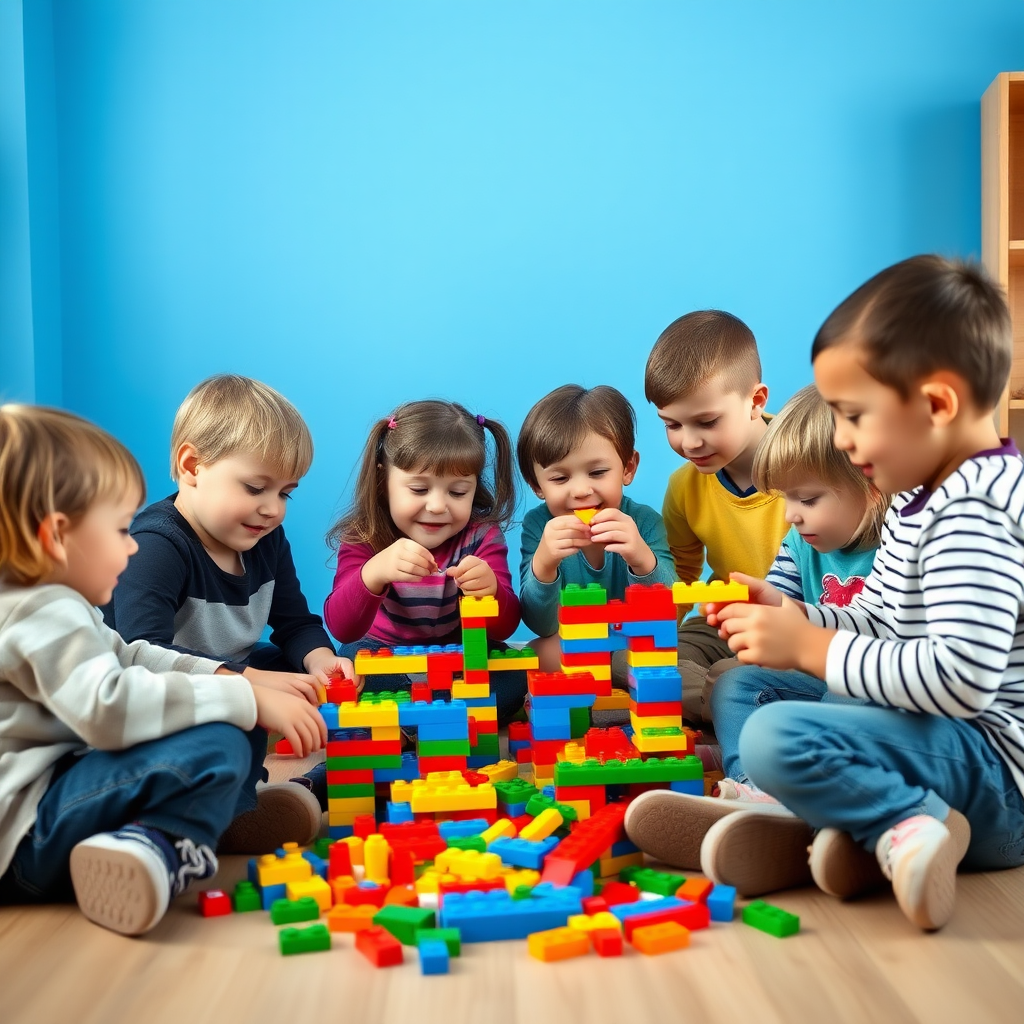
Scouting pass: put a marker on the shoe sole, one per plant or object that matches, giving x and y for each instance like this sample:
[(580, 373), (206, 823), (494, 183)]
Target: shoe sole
[(757, 852), (929, 903), (117, 890), (671, 826), (285, 813), (842, 868)]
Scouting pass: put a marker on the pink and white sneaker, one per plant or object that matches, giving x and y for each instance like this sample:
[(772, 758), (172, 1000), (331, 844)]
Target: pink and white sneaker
[(730, 789)]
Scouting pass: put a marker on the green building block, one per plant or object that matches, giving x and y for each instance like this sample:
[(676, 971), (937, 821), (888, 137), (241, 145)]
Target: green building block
[(474, 649), (522, 892), (322, 844), (382, 696), (515, 791), (349, 789), (404, 922), (304, 940), (773, 920), (539, 802), (486, 743), (575, 596), (513, 653), (670, 730), (467, 843), (664, 883), (579, 722), (341, 764), (614, 773), (442, 748), (451, 937), (245, 898), (290, 911)]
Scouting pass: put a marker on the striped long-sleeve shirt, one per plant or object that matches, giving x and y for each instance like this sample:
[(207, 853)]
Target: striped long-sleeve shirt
[(67, 682), (939, 626)]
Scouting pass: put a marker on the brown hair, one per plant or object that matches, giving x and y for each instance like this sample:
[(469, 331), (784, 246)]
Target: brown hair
[(560, 421), (694, 349), (799, 443), (433, 435), (228, 414), (927, 314), (53, 461)]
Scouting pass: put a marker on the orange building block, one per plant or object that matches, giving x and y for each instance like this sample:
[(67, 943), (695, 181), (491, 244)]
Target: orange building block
[(345, 918), (661, 938), (558, 944)]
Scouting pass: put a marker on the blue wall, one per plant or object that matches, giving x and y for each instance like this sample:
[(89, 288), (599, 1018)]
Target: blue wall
[(365, 203)]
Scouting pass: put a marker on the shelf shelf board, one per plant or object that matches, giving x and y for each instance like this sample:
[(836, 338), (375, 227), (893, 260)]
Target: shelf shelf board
[(1017, 253), (1017, 403)]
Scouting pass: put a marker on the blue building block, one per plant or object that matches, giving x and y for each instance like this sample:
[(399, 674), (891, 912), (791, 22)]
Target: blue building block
[(420, 713), (653, 685), (466, 827), (584, 881), (399, 812), (597, 645), (340, 831), (551, 732), (721, 902), (480, 702), (318, 863), (512, 810), (269, 893), (623, 847), (560, 700), (480, 760), (329, 713), (433, 957), (523, 853), (641, 907), (693, 786), (494, 915), (407, 772), (661, 632), (445, 731)]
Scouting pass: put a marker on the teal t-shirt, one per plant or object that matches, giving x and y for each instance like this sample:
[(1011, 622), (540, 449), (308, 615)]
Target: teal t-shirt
[(833, 578)]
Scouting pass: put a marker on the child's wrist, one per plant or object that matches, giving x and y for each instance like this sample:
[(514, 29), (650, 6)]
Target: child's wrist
[(543, 570)]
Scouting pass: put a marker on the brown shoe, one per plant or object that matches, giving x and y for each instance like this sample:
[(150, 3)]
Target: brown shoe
[(757, 852), (842, 867), (285, 813), (671, 826)]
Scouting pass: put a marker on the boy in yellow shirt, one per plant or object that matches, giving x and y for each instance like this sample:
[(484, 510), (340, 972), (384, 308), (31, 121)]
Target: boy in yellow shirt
[(704, 378)]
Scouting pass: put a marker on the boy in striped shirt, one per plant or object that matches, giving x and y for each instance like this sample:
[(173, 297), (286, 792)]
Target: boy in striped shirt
[(930, 772)]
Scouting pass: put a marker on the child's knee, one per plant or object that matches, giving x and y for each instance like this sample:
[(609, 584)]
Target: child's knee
[(769, 737)]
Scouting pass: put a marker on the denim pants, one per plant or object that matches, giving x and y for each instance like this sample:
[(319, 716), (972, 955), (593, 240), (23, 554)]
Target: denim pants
[(187, 784), (862, 768), (742, 689)]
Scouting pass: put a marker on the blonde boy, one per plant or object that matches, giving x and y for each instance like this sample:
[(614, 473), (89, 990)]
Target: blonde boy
[(214, 568), (704, 377)]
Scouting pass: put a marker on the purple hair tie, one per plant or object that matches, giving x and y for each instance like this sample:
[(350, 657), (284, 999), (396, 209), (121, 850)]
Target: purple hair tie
[(481, 420)]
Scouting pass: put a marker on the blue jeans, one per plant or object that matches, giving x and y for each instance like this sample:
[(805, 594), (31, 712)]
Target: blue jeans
[(187, 784), (863, 768), (740, 691)]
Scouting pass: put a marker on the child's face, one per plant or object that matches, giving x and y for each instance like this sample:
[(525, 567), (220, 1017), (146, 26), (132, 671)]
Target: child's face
[(233, 502), (429, 508), (828, 519), (97, 549), (714, 426), (888, 438), (590, 476)]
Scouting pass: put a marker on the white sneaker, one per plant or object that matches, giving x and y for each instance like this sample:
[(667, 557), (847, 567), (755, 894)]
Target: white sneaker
[(730, 789), (920, 856)]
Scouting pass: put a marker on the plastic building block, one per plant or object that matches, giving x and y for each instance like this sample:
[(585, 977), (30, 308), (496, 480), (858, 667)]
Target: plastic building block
[(345, 918), (245, 897), (315, 888), (292, 911), (538, 803), (585, 844), (379, 946), (478, 608), (214, 903), (715, 591), (304, 940), (615, 893), (574, 596), (661, 938), (558, 944), (695, 889), (615, 772), (664, 883), (490, 916), (404, 922), (449, 936), (773, 920), (721, 902), (646, 912), (543, 825), (523, 853), (365, 893), (433, 957), (606, 941)]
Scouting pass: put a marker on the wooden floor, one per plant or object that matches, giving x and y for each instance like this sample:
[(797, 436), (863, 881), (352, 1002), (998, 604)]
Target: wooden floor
[(855, 962)]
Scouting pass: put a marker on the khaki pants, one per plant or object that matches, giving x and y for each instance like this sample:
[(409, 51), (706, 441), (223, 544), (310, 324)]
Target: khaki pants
[(703, 657)]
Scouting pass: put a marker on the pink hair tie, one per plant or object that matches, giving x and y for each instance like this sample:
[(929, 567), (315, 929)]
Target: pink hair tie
[(481, 420), (392, 423)]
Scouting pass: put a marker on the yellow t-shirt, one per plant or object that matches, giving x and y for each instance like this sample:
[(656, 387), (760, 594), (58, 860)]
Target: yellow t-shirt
[(705, 520)]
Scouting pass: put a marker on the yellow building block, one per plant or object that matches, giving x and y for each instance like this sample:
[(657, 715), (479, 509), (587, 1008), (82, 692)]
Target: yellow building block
[(484, 714), (654, 721), (401, 791), (588, 922), (581, 807), (365, 716), (385, 732), (573, 752), (477, 608), (427, 797), (315, 887), (512, 664), (610, 866), (661, 938), (659, 744), (468, 865), (714, 591), (599, 672), (374, 663), (501, 829), (462, 691), (524, 876), (618, 701), (355, 848), (339, 884), (376, 854), (500, 771), (431, 880), (583, 631), (647, 659), (292, 867), (558, 944), (351, 804), (542, 826)]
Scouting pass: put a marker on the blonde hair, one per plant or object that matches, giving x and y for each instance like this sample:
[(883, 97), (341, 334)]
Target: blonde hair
[(228, 414), (799, 443), (53, 461)]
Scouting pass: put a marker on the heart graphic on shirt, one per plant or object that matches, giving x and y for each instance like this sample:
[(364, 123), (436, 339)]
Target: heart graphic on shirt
[(839, 593)]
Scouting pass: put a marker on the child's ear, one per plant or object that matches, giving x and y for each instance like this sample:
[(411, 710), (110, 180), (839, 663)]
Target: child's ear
[(759, 401), (944, 393), (51, 533), (186, 461), (630, 468)]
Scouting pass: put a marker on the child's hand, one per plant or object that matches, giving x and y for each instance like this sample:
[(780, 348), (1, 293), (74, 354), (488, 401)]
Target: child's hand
[(562, 537), (294, 683), (617, 532), (474, 577), (761, 592), (404, 561), (322, 663), (299, 722), (775, 637)]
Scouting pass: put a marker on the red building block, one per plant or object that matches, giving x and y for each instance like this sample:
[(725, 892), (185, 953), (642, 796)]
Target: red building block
[(363, 748), (350, 777), (357, 896), (214, 903), (520, 732), (473, 732), (597, 795), (421, 692), (693, 916), (474, 778), (653, 708), (341, 690), (556, 684), (594, 905), (364, 825), (476, 676), (283, 748), (585, 844), (402, 870), (480, 885), (608, 745), (606, 941), (586, 658), (615, 893), (420, 838), (379, 946), (339, 860)]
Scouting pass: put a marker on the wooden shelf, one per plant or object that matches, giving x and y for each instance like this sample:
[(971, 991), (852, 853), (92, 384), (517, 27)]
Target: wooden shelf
[(1017, 253), (1017, 403)]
